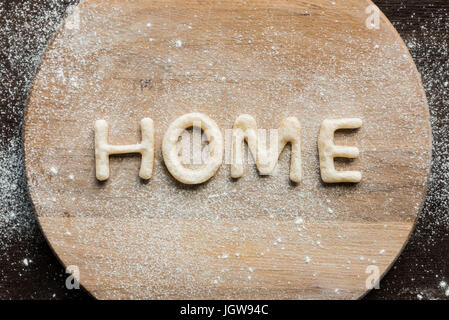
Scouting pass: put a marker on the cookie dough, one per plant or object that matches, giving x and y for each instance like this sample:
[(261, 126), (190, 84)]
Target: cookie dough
[(170, 150), (245, 128), (103, 149), (328, 151)]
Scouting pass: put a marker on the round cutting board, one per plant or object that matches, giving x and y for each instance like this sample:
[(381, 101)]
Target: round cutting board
[(254, 237)]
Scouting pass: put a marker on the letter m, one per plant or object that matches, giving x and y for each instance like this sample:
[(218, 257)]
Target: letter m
[(245, 129)]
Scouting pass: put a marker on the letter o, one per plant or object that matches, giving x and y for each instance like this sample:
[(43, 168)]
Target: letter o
[(170, 150)]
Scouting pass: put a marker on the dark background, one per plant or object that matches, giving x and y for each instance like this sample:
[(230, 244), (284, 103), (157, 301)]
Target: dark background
[(25, 28)]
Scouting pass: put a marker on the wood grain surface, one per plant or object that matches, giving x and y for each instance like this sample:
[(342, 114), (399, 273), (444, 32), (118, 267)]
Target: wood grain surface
[(313, 60)]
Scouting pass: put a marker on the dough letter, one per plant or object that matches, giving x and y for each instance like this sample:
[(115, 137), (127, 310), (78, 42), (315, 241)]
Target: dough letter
[(328, 151), (245, 128), (170, 150), (103, 149)]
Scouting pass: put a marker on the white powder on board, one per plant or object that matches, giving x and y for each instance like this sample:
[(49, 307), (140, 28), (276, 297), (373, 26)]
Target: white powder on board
[(185, 201), (16, 216), (53, 171)]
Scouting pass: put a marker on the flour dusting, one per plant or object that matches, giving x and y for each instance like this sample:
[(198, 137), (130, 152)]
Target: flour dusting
[(22, 52)]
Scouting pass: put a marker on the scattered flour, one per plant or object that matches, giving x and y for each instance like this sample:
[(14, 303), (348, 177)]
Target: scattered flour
[(22, 51)]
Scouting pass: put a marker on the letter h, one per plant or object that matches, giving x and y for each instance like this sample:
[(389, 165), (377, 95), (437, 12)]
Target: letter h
[(103, 149)]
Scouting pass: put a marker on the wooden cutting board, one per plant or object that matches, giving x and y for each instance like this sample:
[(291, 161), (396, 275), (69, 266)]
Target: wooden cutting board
[(255, 237)]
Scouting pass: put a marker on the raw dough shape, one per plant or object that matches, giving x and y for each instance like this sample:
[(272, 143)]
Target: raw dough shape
[(328, 151), (245, 128), (170, 150), (103, 149)]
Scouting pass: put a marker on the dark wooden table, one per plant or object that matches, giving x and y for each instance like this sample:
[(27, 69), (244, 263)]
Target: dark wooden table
[(30, 270)]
